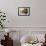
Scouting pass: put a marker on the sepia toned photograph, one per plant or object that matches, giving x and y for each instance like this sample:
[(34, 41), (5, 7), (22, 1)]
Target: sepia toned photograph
[(24, 11)]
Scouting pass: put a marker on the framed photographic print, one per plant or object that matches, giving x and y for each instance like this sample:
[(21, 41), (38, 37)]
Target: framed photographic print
[(24, 11)]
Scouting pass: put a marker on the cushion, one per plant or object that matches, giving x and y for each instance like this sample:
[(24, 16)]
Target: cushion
[(26, 39)]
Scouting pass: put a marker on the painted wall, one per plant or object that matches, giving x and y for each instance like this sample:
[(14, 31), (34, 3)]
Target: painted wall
[(36, 19), (35, 22)]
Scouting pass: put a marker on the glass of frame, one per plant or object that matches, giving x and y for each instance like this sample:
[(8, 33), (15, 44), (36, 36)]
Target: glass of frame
[(24, 11)]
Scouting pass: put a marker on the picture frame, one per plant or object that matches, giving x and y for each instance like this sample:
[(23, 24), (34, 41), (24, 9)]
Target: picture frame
[(24, 11)]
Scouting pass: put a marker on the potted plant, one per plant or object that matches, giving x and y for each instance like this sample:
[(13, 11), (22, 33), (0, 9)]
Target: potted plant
[(2, 19)]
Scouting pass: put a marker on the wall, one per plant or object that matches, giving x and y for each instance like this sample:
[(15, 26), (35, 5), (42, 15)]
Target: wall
[(35, 22), (36, 19)]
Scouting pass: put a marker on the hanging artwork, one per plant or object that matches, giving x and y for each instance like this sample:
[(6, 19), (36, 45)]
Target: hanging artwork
[(24, 11)]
